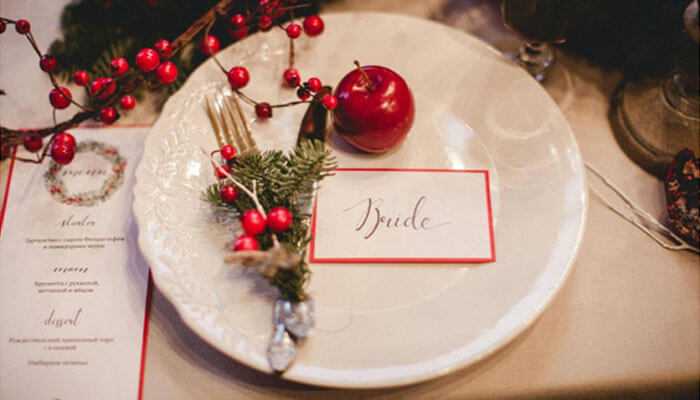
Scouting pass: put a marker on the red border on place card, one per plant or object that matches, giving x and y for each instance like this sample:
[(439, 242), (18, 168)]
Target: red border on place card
[(149, 287), (408, 260)]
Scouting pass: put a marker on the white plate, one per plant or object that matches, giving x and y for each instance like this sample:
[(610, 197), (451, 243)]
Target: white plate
[(378, 325)]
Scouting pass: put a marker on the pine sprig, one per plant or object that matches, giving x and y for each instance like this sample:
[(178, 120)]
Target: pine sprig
[(310, 163), (102, 66), (281, 180)]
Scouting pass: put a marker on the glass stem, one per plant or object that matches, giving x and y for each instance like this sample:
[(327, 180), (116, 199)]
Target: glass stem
[(682, 94), (536, 57), (682, 90)]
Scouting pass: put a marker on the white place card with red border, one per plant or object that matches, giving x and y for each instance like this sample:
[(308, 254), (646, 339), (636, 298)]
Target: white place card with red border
[(73, 289), (364, 215)]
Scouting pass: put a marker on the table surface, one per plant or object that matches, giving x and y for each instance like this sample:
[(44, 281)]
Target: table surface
[(627, 319)]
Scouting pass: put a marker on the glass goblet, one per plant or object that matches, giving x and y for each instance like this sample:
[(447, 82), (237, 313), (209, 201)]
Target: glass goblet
[(541, 23)]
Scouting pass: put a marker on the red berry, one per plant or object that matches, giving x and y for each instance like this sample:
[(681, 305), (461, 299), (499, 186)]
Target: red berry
[(228, 152), (167, 72), (97, 87), (103, 88), (238, 33), (47, 63), (119, 66), (263, 110), (81, 77), (228, 193), (253, 222), (147, 60), (238, 20), (314, 84), (108, 115), (238, 77), (265, 23), (272, 8), (292, 77), (279, 219), (221, 171), (313, 25), (293, 30), (22, 26), (246, 243), (127, 102), (62, 154), (329, 101), (60, 98), (303, 94), (164, 48), (33, 143), (210, 45), (3, 26), (64, 138)]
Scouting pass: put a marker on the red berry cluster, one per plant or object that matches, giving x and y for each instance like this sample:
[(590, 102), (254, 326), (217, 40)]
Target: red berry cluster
[(264, 16), (102, 89), (313, 26), (313, 86), (254, 223), (153, 65), (148, 63), (149, 60), (62, 146)]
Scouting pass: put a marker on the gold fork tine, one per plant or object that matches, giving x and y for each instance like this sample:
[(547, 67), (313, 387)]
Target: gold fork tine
[(240, 129), (247, 135), (227, 124), (215, 123), (231, 125)]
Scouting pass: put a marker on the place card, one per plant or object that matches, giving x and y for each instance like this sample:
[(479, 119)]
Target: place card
[(364, 215), (73, 289)]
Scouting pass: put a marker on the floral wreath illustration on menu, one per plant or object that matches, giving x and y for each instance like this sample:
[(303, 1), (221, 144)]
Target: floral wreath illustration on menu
[(57, 187)]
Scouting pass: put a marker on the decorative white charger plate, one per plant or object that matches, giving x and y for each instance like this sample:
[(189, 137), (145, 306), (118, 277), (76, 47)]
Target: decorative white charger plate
[(377, 325)]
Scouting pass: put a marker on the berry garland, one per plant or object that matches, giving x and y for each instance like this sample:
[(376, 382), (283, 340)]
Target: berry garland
[(153, 69), (59, 191)]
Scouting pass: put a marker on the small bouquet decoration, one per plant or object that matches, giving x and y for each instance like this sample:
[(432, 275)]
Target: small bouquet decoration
[(271, 194)]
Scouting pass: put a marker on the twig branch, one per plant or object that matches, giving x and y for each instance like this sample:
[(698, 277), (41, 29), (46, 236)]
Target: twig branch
[(13, 137), (131, 81), (253, 194)]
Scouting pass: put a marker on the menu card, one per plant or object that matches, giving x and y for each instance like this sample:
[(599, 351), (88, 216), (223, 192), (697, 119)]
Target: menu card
[(73, 289), (390, 215)]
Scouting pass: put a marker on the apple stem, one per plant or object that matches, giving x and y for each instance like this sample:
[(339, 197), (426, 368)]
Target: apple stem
[(369, 84)]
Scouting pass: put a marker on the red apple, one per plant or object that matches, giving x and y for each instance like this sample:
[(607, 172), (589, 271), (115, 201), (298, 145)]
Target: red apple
[(375, 109)]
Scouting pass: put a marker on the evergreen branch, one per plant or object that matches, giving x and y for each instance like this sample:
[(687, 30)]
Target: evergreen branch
[(286, 180), (309, 163), (102, 66)]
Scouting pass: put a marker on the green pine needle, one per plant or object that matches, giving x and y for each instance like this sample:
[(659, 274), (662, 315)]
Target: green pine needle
[(285, 180)]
